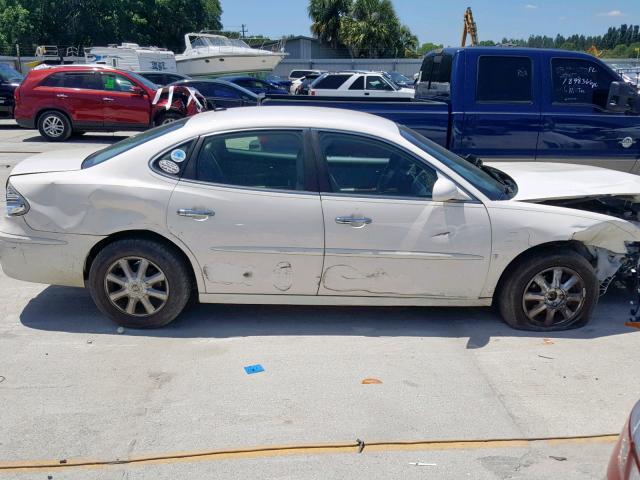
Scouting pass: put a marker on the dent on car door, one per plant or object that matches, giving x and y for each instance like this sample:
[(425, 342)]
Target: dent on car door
[(247, 209), (383, 233), (577, 127)]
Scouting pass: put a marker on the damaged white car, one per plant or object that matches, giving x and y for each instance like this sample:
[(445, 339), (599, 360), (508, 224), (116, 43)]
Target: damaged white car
[(320, 207)]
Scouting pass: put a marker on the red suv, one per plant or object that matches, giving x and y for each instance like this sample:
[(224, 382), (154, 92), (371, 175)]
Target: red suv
[(62, 100)]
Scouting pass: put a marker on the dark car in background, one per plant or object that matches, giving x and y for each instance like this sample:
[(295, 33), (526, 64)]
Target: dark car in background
[(279, 81), (222, 94), (9, 81), (255, 84), (163, 78), (625, 459)]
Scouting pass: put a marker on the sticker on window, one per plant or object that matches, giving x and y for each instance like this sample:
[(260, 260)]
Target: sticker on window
[(169, 166), (109, 83), (178, 155)]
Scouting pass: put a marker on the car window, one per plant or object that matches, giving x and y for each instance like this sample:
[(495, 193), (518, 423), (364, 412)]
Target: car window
[(358, 84), (157, 78), (264, 159), (86, 81), (375, 82), (116, 83), (361, 166), (131, 142), (504, 79), (580, 81), (224, 91), (8, 74), (299, 73), (331, 82), (173, 161), (54, 80)]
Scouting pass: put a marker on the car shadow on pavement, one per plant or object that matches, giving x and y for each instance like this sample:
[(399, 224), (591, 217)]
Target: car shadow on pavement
[(66, 309)]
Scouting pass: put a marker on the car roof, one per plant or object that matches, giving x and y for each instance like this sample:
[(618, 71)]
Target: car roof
[(291, 117), (142, 72)]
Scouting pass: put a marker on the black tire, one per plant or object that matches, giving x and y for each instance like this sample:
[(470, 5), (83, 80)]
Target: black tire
[(54, 126), (520, 280), (165, 118), (161, 258)]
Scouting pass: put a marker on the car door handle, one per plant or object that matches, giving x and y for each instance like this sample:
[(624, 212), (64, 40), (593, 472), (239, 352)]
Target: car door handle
[(61, 95), (107, 99), (196, 214), (354, 221)]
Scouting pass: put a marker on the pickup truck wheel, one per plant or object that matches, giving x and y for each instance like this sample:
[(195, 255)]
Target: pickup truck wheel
[(549, 292), (166, 118), (139, 283), (54, 126)]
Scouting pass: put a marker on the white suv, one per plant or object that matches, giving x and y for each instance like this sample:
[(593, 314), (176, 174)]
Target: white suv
[(358, 84)]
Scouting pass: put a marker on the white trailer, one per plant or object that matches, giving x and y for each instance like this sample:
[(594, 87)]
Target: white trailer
[(131, 56)]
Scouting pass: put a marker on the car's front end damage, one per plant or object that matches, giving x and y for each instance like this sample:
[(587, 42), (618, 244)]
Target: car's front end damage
[(613, 242)]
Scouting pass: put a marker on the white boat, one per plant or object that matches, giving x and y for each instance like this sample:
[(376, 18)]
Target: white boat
[(207, 54), (131, 56)]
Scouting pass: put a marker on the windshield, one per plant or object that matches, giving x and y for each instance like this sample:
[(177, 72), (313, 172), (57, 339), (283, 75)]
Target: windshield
[(146, 82), (8, 74), (399, 78), (218, 42), (479, 178), (131, 142)]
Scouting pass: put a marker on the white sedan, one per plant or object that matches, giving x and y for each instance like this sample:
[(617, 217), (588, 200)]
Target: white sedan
[(316, 206)]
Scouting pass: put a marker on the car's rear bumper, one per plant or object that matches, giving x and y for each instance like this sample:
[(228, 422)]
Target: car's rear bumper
[(43, 257), (26, 122)]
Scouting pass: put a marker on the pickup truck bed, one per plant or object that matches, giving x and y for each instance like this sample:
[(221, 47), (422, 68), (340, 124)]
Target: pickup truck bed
[(428, 117)]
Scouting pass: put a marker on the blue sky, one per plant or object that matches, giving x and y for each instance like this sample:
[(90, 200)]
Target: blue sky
[(440, 21)]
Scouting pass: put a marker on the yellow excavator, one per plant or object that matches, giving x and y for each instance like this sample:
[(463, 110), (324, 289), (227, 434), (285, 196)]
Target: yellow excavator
[(469, 29)]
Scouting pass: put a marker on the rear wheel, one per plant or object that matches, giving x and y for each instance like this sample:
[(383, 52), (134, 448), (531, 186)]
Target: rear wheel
[(54, 126), (139, 283), (549, 291), (166, 118)]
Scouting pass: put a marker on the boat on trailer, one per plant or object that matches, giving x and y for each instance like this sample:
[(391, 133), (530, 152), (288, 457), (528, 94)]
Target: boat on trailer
[(208, 54)]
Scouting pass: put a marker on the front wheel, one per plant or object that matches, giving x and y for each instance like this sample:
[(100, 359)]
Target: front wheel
[(139, 283), (549, 291), (166, 118)]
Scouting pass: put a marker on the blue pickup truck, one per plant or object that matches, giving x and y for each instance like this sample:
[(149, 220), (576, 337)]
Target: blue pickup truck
[(516, 104)]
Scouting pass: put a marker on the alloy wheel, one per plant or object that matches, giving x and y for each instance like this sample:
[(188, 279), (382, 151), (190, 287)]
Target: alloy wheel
[(53, 126), (554, 297), (136, 286)]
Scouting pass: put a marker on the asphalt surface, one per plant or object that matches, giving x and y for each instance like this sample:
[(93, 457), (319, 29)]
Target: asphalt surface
[(73, 388)]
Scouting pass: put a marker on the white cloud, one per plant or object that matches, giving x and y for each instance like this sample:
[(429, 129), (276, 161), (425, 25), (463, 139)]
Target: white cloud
[(612, 13), (530, 6)]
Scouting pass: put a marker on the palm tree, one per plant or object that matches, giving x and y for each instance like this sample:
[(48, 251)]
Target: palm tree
[(372, 29), (326, 16)]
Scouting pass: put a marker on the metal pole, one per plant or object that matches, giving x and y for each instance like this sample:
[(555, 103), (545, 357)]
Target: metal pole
[(18, 57)]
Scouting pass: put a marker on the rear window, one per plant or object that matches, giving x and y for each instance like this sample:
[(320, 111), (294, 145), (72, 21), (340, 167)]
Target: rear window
[(504, 79), (331, 82), (299, 73), (117, 148), (436, 69)]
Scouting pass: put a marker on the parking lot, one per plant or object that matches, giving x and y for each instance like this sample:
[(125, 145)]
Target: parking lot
[(432, 392)]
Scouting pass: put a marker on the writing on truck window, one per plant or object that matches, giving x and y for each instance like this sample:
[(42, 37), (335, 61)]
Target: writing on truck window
[(579, 81)]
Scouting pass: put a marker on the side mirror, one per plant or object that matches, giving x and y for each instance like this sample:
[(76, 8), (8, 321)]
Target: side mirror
[(623, 97), (136, 90), (444, 190)]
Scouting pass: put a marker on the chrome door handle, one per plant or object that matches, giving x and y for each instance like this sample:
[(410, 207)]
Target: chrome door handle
[(351, 220), (196, 213), (61, 95), (107, 99)]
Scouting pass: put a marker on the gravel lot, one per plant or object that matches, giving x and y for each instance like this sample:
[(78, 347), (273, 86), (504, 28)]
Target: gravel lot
[(73, 388)]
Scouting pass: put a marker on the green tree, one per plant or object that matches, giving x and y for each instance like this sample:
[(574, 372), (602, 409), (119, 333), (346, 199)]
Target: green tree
[(407, 43), (427, 47), (326, 16), (371, 29), (14, 24)]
